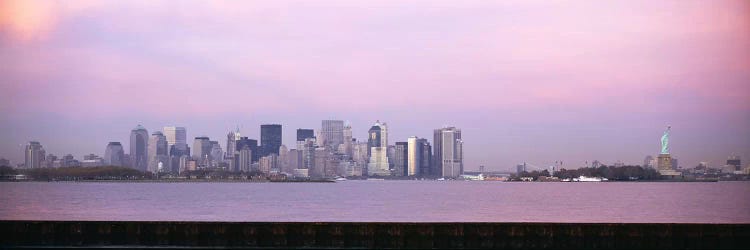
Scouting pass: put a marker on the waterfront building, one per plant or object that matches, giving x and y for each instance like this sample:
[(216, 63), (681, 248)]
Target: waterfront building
[(303, 134), (92, 160), (378, 164), (270, 139), (114, 155), (268, 163), (331, 133), (416, 155), (69, 161), (301, 173), (139, 148), (319, 162), (425, 168), (401, 158), (49, 161), (448, 152), (91, 157), (735, 161), (34, 155), (354, 168), (649, 161), (157, 151)]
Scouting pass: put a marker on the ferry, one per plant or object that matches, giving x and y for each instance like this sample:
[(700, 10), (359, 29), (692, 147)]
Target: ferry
[(341, 179), (589, 179)]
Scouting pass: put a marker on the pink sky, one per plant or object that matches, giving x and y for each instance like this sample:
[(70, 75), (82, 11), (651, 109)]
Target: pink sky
[(533, 81)]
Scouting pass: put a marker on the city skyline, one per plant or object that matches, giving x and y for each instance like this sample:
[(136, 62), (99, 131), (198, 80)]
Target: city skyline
[(525, 82), (293, 138)]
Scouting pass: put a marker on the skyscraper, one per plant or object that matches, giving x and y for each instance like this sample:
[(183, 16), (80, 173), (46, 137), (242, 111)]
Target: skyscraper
[(377, 136), (114, 154), (243, 157), (284, 159), (331, 133), (139, 148), (735, 161), (252, 146), (303, 134), (425, 168), (269, 163), (175, 136), (448, 154), (347, 140), (232, 138), (414, 160), (308, 154), (401, 159), (216, 155), (378, 164), (270, 139), (201, 149), (157, 152), (35, 155), (377, 142)]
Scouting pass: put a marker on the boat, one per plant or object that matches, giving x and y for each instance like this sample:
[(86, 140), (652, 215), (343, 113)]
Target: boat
[(589, 179), (441, 179), (341, 179)]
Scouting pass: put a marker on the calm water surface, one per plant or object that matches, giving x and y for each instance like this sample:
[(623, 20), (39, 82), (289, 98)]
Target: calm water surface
[(400, 201)]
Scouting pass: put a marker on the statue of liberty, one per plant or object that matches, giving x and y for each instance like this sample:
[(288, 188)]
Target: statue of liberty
[(665, 141)]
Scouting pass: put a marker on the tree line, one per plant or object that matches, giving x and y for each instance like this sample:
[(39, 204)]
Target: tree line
[(622, 173)]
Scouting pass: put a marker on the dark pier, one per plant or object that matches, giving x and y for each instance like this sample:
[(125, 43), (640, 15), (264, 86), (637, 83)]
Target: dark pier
[(63, 234)]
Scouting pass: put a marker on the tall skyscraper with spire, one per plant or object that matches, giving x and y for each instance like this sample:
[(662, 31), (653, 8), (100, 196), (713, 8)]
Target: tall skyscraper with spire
[(139, 148), (448, 152)]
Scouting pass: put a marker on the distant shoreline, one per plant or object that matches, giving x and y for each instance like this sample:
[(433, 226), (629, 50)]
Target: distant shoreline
[(334, 181)]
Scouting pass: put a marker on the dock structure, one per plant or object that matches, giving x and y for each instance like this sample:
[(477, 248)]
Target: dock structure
[(259, 235)]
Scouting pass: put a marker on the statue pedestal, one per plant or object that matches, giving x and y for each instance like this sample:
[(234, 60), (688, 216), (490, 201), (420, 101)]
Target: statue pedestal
[(664, 165)]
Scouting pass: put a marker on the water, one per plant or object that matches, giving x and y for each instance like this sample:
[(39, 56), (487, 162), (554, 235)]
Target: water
[(380, 201)]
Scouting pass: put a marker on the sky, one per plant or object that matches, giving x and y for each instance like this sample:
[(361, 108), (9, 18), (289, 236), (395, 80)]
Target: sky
[(526, 81)]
